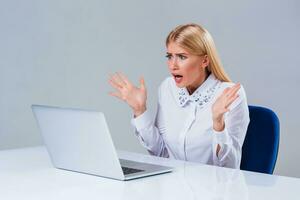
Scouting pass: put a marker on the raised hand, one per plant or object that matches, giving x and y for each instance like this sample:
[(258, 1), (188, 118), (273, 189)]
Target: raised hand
[(135, 97), (220, 107)]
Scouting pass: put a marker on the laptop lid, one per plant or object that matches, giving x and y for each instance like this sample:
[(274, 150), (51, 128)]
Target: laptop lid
[(78, 140)]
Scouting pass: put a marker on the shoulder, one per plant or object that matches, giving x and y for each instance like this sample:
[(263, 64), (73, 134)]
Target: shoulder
[(166, 84), (167, 88)]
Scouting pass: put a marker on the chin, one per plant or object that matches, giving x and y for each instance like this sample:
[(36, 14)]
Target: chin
[(180, 85)]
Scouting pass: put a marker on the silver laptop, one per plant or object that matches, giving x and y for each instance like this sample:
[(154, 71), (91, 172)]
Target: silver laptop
[(79, 140)]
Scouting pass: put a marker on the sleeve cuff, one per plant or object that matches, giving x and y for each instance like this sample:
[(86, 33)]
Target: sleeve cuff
[(222, 137), (143, 121)]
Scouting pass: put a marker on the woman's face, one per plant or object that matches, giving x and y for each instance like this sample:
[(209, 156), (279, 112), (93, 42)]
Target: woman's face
[(187, 70)]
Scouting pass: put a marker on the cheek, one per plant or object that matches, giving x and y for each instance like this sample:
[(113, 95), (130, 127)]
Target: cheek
[(169, 65), (190, 71)]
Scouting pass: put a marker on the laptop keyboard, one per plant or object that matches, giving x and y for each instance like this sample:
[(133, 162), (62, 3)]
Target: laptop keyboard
[(127, 170)]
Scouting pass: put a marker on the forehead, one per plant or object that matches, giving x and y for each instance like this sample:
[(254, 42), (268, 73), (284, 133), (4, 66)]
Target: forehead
[(175, 48)]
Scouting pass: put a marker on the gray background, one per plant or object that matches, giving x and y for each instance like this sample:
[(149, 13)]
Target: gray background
[(61, 53)]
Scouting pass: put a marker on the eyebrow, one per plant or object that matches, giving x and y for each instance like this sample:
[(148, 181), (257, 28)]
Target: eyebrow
[(178, 53)]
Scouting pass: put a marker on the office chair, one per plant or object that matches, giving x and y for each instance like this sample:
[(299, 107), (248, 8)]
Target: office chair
[(260, 148)]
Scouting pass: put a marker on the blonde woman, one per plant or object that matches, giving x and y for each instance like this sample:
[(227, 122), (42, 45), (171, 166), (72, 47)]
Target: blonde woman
[(202, 116)]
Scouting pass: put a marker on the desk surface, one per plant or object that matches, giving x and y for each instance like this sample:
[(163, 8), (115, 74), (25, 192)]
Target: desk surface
[(28, 174)]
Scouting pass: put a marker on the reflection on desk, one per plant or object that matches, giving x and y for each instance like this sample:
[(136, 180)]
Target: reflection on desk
[(189, 182), (28, 174)]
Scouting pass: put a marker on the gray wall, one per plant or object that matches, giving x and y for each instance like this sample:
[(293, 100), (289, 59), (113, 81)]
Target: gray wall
[(61, 53)]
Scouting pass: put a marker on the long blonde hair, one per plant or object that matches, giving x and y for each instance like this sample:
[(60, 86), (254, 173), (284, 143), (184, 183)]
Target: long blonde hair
[(197, 40)]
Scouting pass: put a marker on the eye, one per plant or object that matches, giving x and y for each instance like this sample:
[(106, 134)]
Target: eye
[(182, 57), (168, 56)]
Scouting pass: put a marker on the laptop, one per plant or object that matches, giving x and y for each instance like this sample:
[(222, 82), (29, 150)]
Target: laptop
[(79, 140)]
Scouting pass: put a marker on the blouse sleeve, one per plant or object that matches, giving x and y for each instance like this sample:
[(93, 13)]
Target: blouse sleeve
[(149, 131), (232, 137)]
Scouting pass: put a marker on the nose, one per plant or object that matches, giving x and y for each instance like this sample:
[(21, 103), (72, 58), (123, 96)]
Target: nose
[(173, 65)]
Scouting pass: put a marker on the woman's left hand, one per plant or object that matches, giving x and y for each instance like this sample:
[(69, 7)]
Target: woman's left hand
[(221, 106)]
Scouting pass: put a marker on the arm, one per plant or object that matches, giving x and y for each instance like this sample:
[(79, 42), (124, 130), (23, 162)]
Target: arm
[(149, 131), (136, 97), (229, 131)]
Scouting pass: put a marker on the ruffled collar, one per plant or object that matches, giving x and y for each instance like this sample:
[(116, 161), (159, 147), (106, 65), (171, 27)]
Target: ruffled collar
[(202, 95)]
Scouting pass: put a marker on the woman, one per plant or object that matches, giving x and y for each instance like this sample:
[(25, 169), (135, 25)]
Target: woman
[(202, 116)]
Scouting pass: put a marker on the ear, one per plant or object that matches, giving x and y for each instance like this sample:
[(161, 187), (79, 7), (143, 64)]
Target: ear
[(205, 61)]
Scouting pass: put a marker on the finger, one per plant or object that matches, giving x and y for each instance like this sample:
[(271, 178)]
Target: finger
[(233, 90), (142, 83), (231, 100), (224, 110), (124, 78), (116, 94), (116, 80), (225, 91), (236, 87), (120, 79), (114, 84)]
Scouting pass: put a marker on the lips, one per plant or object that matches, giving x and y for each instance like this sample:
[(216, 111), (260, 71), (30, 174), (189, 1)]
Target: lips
[(178, 78)]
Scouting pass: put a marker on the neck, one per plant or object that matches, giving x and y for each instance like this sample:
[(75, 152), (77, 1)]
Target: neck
[(192, 88)]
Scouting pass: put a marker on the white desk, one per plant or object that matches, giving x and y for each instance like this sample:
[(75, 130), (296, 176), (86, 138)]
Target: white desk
[(28, 174)]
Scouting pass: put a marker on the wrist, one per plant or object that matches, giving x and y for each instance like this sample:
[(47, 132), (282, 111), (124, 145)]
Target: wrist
[(219, 124), (138, 112)]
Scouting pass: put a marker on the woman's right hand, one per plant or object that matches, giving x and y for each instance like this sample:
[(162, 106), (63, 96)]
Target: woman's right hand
[(135, 97)]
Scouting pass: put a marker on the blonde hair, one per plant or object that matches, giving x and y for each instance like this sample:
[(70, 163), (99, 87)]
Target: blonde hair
[(197, 40)]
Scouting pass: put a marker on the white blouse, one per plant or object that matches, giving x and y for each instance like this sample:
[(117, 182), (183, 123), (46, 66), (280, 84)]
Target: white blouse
[(183, 126)]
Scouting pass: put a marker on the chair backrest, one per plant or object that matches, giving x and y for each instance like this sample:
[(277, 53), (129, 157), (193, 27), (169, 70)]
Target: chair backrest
[(260, 148)]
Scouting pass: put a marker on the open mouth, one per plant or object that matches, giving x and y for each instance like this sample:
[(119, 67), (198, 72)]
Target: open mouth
[(178, 78)]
